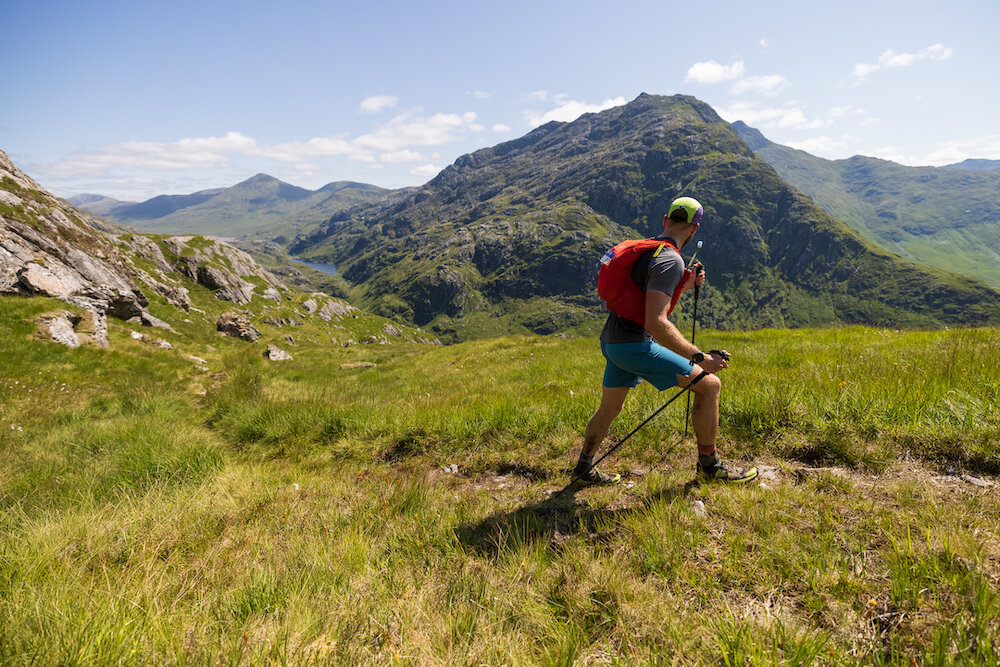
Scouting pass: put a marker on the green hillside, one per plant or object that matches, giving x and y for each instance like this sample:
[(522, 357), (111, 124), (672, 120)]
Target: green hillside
[(942, 217), (259, 207), (507, 238), (160, 510)]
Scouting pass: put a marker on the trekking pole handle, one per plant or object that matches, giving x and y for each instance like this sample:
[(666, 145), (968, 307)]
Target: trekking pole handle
[(721, 353)]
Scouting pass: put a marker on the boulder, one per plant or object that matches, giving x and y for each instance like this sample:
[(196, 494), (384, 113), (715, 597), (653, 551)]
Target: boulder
[(58, 326), (331, 309), (237, 326), (275, 353), (272, 294), (49, 280), (228, 286), (311, 306)]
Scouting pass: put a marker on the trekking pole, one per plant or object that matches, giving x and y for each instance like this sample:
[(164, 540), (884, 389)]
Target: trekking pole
[(634, 431), (694, 325)]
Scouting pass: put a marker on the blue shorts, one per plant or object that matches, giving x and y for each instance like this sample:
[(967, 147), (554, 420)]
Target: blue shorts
[(627, 362)]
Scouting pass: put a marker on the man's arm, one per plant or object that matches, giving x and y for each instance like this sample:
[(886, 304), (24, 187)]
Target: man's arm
[(666, 334), (662, 329)]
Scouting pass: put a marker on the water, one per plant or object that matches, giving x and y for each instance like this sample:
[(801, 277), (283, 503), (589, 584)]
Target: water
[(325, 268)]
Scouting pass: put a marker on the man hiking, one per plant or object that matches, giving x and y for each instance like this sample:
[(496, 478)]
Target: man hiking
[(643, 343)]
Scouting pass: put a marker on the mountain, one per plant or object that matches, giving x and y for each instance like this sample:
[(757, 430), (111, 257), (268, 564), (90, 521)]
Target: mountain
[(945, 218), (186, 286), (975, 164), (98, 204), (507, 238), (261, 206)]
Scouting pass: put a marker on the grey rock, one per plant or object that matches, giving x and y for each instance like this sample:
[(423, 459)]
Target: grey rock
[(151, 320), (160, 343), (10, 199), (311, 306), (272, 294), (331, 309), (55, 280), (275, 353), (148, 249), (58, 326), (227, 286), (391, 330), (203, 264), (237, 326)]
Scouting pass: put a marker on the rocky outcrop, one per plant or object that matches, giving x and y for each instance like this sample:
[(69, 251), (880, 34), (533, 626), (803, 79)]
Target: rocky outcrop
[(51, 248), (47, 249), (237, 326), (73, 330), (334, 309), (221, 268)]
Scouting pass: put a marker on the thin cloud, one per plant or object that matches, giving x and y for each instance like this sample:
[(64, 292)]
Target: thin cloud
[(391, 142), (411, 130), (569, 110), (822, 146), (771, 117), (183, 154), (500, 128), (768, 84), (377, 103), (426, 171), (481, 94), (893, 59), (987, 148), (402, 156), (713, 72)]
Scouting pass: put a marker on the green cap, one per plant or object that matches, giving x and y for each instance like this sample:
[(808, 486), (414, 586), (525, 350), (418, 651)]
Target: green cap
[(685, 209)]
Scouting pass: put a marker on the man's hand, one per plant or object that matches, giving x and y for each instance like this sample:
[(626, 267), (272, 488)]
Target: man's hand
[(714, 362), (697, 277)]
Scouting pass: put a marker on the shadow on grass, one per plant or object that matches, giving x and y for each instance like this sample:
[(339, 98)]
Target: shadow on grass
[(552, 521)]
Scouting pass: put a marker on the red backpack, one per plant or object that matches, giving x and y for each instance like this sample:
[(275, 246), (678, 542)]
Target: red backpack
[(615, 284)]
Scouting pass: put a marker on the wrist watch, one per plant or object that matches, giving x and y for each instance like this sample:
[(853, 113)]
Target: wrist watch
[(698, 357)]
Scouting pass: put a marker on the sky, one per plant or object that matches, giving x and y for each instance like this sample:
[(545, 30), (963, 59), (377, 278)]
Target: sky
[(135, 99)]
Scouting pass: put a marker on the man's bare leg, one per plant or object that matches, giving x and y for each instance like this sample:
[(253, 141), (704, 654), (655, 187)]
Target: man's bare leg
[(705, 417), (612, 400), (705, 413)]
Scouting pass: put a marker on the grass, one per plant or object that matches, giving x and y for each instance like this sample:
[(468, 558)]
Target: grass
[(297, 512)]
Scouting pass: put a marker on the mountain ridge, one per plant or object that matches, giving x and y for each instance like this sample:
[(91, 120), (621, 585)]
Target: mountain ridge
[(259, 206), (942, 217), (508, 236)]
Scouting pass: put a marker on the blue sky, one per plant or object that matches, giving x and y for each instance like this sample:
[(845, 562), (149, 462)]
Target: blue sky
[(133, 99)]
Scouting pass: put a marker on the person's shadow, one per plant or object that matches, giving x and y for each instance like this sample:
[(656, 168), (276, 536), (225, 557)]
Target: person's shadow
[(550, 520)]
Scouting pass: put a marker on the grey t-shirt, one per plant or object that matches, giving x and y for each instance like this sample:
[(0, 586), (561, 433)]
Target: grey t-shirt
[(662, 273)]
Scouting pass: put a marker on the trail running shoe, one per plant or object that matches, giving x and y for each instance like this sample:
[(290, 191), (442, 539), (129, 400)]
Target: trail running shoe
[(592, 476), (712, 469)]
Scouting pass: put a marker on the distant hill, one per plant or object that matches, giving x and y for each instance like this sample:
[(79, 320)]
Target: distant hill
[(99, 204), (259, 207), (508, 238), (945, 218), (974, 164)]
